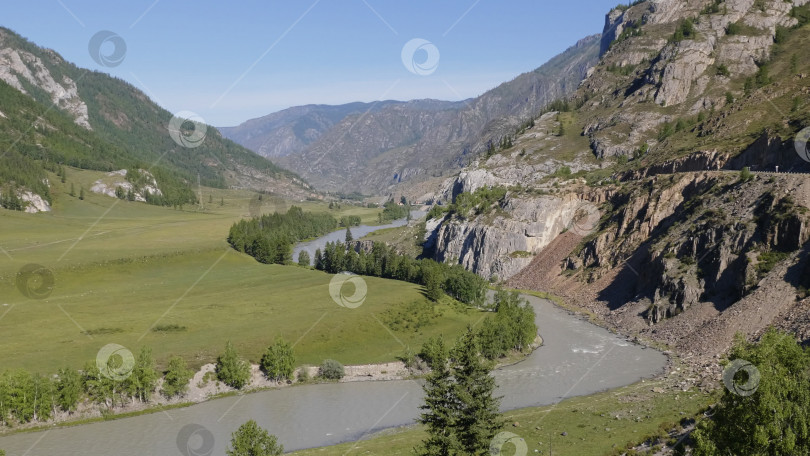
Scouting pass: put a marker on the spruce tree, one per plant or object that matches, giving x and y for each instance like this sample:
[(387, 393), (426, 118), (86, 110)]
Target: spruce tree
[(478, 419), (349, 237), (439, 416)]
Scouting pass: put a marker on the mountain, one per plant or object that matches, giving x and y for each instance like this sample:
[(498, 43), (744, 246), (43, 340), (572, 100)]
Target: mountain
[(671, 197), (56, 114), (290, 131), (374, 147)]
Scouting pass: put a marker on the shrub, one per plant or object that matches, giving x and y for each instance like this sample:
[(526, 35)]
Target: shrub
[(685, 31), (232, 370), (278, 361), (734, 29), (773, 418), (303, 374), (252, 440), (331, 370), (177, 376)]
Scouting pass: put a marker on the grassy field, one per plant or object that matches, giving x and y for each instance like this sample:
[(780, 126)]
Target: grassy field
[(122, 268), (599, 424)]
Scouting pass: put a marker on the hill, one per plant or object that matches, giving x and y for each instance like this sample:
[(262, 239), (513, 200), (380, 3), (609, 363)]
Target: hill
[(56, 114)]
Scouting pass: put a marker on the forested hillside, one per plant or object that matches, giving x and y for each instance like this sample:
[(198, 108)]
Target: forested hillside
[(55, 114)]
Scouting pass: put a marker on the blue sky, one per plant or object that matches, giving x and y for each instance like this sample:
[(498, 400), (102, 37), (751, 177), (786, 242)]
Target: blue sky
[(231, 61)]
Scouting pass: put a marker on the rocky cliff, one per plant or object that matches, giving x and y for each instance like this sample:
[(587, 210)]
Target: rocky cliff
[(688, 248)]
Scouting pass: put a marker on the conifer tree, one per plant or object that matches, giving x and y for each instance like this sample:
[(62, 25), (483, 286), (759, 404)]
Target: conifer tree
[(439, 416), (478, 419)]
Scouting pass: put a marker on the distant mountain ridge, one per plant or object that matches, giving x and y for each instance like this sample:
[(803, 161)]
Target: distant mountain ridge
[(374, 147)]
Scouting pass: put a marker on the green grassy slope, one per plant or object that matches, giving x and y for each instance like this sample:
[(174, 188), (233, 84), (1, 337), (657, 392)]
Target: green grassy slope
[(138, 265)]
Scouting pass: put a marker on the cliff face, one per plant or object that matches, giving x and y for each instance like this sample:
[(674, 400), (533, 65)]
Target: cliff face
[(651, 57), (688, 250), (503, 244)]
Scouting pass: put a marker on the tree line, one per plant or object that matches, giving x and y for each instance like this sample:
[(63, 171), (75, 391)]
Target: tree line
[(270, 238), (383, 261), (25, 396)]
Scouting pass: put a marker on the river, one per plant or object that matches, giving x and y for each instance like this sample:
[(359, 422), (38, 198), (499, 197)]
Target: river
[(577, 358)]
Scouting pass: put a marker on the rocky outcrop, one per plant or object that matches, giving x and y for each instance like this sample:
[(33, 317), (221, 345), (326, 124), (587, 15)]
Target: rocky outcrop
[(686, 241), (34, 203), (681, 75), (16, 64), (501, 245), (118, 179), (614, 26), (679, 68)]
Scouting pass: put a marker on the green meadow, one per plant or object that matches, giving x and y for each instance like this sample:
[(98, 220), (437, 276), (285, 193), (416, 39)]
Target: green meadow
[(133, 274)]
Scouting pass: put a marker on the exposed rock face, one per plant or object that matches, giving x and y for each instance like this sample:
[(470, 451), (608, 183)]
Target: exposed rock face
[(16, 64), (676, 74), (614, 25), (695, 242), (503, 246), (679, 68), (117, 179), (34, 203)]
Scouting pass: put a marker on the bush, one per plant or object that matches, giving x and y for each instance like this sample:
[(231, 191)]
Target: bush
[(734, 29), (252, 440), (436, 211), (232, 370), (278, 362), (771, 416), (746, 174), (303, 374), (331, 370), (177, 376), (685, 31)]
